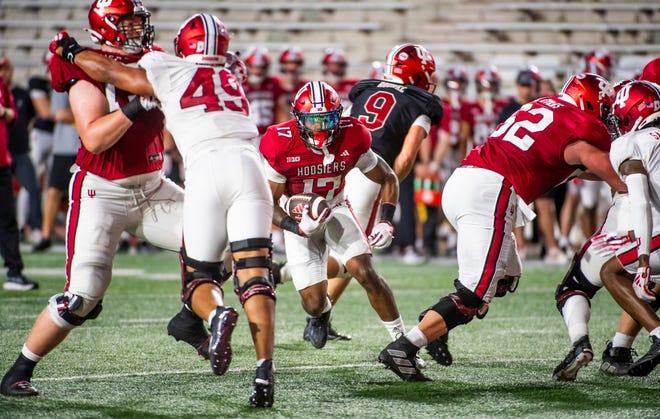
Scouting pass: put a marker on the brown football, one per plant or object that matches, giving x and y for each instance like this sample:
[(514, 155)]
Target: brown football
[(294, 205)]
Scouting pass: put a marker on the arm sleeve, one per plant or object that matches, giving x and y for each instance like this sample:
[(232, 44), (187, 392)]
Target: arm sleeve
[(640, 209)]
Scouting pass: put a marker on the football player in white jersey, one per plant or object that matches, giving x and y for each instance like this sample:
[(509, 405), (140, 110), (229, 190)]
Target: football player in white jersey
[(626, 246), (227, 199)]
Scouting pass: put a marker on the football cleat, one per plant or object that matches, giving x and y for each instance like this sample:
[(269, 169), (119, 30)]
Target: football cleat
[(439, 350), (20, 388), (222, 325), (332, 333), (188, 327), (579, 356), (263, 388), (644, 365), (399, 356), (616, 360), (318, 330)]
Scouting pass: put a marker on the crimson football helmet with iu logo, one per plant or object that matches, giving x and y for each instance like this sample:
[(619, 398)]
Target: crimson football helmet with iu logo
[(591, 93), (202, 39), (317, 109), (637, 104), (105, 26), (410, 64)]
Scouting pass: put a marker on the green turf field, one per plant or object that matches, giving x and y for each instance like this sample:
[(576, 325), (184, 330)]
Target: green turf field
[(124, 364)]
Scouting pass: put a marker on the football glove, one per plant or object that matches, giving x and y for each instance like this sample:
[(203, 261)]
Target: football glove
[(69, 45), (309, 226), (641, 284), (381, 235), (607, 244), (149, 103)]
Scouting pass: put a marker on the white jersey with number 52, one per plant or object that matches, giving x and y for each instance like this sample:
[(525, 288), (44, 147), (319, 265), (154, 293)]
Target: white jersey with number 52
[(201, 103)]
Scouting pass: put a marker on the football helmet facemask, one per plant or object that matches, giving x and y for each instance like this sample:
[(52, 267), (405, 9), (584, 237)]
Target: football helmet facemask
[(317, 109), (108, 25), (591, 93), (202, 39), (410, 64), (636, 106)]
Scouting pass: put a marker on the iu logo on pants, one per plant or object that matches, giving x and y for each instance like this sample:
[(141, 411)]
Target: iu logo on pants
[(91, 193)]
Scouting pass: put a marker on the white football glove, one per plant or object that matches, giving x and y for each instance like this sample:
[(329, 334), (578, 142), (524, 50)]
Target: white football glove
[(381, 235), (607, 244), (149, 103), (641, 284), (308, 226)]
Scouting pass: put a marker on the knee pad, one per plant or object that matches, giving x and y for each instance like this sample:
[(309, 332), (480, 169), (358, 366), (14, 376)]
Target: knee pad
[(460, 307), (574, 283), (257, 285), (253, 261), (204, 272), (70, 310)]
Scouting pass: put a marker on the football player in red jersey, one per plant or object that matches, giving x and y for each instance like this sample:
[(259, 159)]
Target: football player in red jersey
[(262, 90), (313, 153), (117, 184), (479, 118), (539, 146), (292, 65), (222, 135), (335, 64)]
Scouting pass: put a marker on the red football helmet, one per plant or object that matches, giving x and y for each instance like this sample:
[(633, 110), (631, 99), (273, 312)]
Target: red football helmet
[(488, 78), (105, 25), (599, 62), (317, 109), (292, 54), (410, 64), (202, 39), (456, 78), (591, 93), (257, 56), (651, 71), (336, 57), (636, 105)]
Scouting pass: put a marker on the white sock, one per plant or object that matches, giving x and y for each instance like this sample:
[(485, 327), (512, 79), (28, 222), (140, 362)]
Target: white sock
[(655, 332), (622, 341), (576, 313), (30, 355), (328, 305), (417, 337), (395, 327)]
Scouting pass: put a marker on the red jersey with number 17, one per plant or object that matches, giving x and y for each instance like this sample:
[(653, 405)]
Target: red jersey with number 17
[(139, 150), (302, 169), (528, 148)]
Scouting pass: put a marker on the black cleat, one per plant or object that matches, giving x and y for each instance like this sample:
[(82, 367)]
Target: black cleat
[(42, 246), (19, 283), (399, 356), (644, 365), (332, 333), (263, 388), (222, 325), (579, 356), (20, 388), (317, 329), (616, 360), (188, 327), (439, 350)]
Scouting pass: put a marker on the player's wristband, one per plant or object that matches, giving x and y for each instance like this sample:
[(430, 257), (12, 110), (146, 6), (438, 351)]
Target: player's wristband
[(289, 224), (387, 211), (133, 109)]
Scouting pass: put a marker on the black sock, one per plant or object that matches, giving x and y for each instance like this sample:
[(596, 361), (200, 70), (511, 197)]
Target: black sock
[(22, 369)]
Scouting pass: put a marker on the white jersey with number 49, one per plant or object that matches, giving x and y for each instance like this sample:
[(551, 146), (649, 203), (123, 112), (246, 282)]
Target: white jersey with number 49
[(200, 103)]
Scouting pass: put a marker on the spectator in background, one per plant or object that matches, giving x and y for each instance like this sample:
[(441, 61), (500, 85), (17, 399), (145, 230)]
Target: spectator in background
[(65, 149), (335, 65), (9, 235), (292, 63), (19, 148), (262, 90)]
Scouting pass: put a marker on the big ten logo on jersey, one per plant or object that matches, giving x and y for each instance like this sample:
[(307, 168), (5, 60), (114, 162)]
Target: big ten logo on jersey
[(292, 159)]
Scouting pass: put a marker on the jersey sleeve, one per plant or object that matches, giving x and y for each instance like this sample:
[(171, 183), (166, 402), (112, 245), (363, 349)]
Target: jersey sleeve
[(64, 75), (625, 148), (367, 161), (155, 64)]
